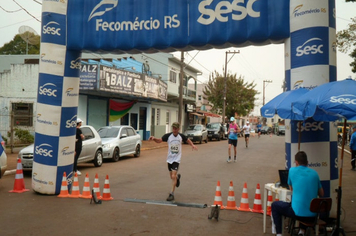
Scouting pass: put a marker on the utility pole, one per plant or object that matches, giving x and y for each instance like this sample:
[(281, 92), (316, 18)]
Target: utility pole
[(225, 80), (265, 81), (180, 109)]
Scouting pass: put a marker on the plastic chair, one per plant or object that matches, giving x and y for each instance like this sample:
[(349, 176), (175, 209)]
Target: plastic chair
[(319, 206)]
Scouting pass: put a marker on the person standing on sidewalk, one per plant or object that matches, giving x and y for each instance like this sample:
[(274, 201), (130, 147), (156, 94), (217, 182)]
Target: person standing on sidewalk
[(79, 137), (174, 140), (353, 147), (232, 132), (246, 130), (259, 127)]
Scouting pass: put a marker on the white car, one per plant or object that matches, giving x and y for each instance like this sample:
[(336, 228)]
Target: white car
[(92, 150), (3, 157), (120, 141), (197, 133)]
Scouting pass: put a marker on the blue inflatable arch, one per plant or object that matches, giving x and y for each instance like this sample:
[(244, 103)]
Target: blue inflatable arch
[(69, 27)]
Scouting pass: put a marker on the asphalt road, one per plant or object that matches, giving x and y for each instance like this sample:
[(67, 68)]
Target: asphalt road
[(146, 178)]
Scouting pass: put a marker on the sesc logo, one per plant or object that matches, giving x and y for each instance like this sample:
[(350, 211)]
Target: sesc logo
[(44, 150), (307, 48), (311, 126), (223, 8), (108, 6), (268, 113), (72, 122), (48, 89), (75, 64), (51, 27), (344, 99)]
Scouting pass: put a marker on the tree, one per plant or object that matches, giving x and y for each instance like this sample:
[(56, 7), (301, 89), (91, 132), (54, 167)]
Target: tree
[(346, 41), (18, 46), (240, 95)]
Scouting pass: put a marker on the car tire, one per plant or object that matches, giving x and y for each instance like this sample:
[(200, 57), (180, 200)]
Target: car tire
[(201, 140), (137, 151), (116, 155), (98, 158), (219, 138)]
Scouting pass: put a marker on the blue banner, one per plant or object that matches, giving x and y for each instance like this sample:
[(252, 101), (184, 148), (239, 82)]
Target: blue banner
[(135, 25)]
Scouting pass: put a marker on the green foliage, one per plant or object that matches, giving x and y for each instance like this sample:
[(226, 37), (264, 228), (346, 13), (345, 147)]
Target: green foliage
[(240, 95), (18, 46), (24, 136), (346, 41)]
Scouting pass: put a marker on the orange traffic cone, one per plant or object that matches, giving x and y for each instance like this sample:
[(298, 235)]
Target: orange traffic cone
[(64, 186), (257, 203), (244, 206), (277, 197), (231, 204), (106, 190), (86, 188), (269, 203), (96, 187), (75, 188), (217, 199), (19, 185)]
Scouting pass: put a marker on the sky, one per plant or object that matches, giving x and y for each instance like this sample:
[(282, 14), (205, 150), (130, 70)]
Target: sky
[(254, 63)]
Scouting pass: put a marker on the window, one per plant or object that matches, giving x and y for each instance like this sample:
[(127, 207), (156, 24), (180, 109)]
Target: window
[(158, 116), (167, 118), (131, 132), (173, 76), (23, 114), (272, 120), (123, 131), (199, 97), (125, 119), (88, 134)]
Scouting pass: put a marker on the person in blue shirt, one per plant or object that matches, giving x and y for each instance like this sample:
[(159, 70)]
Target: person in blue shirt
[(232, 133), (259, 126), (353, 147), (305, 185)]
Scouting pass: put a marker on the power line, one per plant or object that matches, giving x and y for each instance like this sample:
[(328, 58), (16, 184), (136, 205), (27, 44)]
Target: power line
[(9, 11), (26, 11)]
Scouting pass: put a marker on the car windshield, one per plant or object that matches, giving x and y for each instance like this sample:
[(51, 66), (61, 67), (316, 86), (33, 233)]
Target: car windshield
[(194, 127), (213, 126), (108, 132)]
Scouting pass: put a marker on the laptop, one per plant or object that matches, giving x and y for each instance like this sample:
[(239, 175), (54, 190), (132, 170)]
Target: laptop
[(283, 178)]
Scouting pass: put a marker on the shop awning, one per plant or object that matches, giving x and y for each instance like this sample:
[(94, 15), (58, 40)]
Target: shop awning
[(197, 114), (210, 114)]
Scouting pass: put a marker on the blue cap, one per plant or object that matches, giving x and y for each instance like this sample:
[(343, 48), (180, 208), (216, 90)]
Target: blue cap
[(232, 119)]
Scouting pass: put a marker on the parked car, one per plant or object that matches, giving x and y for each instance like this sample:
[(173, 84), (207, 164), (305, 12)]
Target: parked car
[(92, 150), (3, 157), (266, 130), (197, 133), (281, 130), (215, 131), (120, 141)]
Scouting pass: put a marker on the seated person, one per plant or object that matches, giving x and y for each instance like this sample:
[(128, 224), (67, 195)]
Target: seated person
[(305, 185)]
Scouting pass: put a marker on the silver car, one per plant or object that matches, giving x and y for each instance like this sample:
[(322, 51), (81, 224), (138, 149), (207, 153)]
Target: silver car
[(197, 133), (120, 141), (92, 150), (3, 157)]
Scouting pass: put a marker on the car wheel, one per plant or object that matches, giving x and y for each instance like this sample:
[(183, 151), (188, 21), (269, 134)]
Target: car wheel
[(201, 139), (116, 154), (138, 151), (210, 139), (219, 138), (98, 159)]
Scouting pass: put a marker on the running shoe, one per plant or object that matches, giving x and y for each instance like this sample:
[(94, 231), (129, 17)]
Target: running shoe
[(170, 197), (178, 180)]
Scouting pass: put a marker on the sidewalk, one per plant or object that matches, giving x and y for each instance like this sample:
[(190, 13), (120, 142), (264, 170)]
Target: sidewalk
[(12, 157)]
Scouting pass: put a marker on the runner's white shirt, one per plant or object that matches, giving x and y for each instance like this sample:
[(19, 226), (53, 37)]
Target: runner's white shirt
[(247, 130), (174, 146)]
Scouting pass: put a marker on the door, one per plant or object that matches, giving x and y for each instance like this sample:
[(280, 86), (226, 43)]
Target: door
[(142, 122)]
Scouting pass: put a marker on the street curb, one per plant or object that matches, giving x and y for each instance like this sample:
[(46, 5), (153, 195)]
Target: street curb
[(9, 172)]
